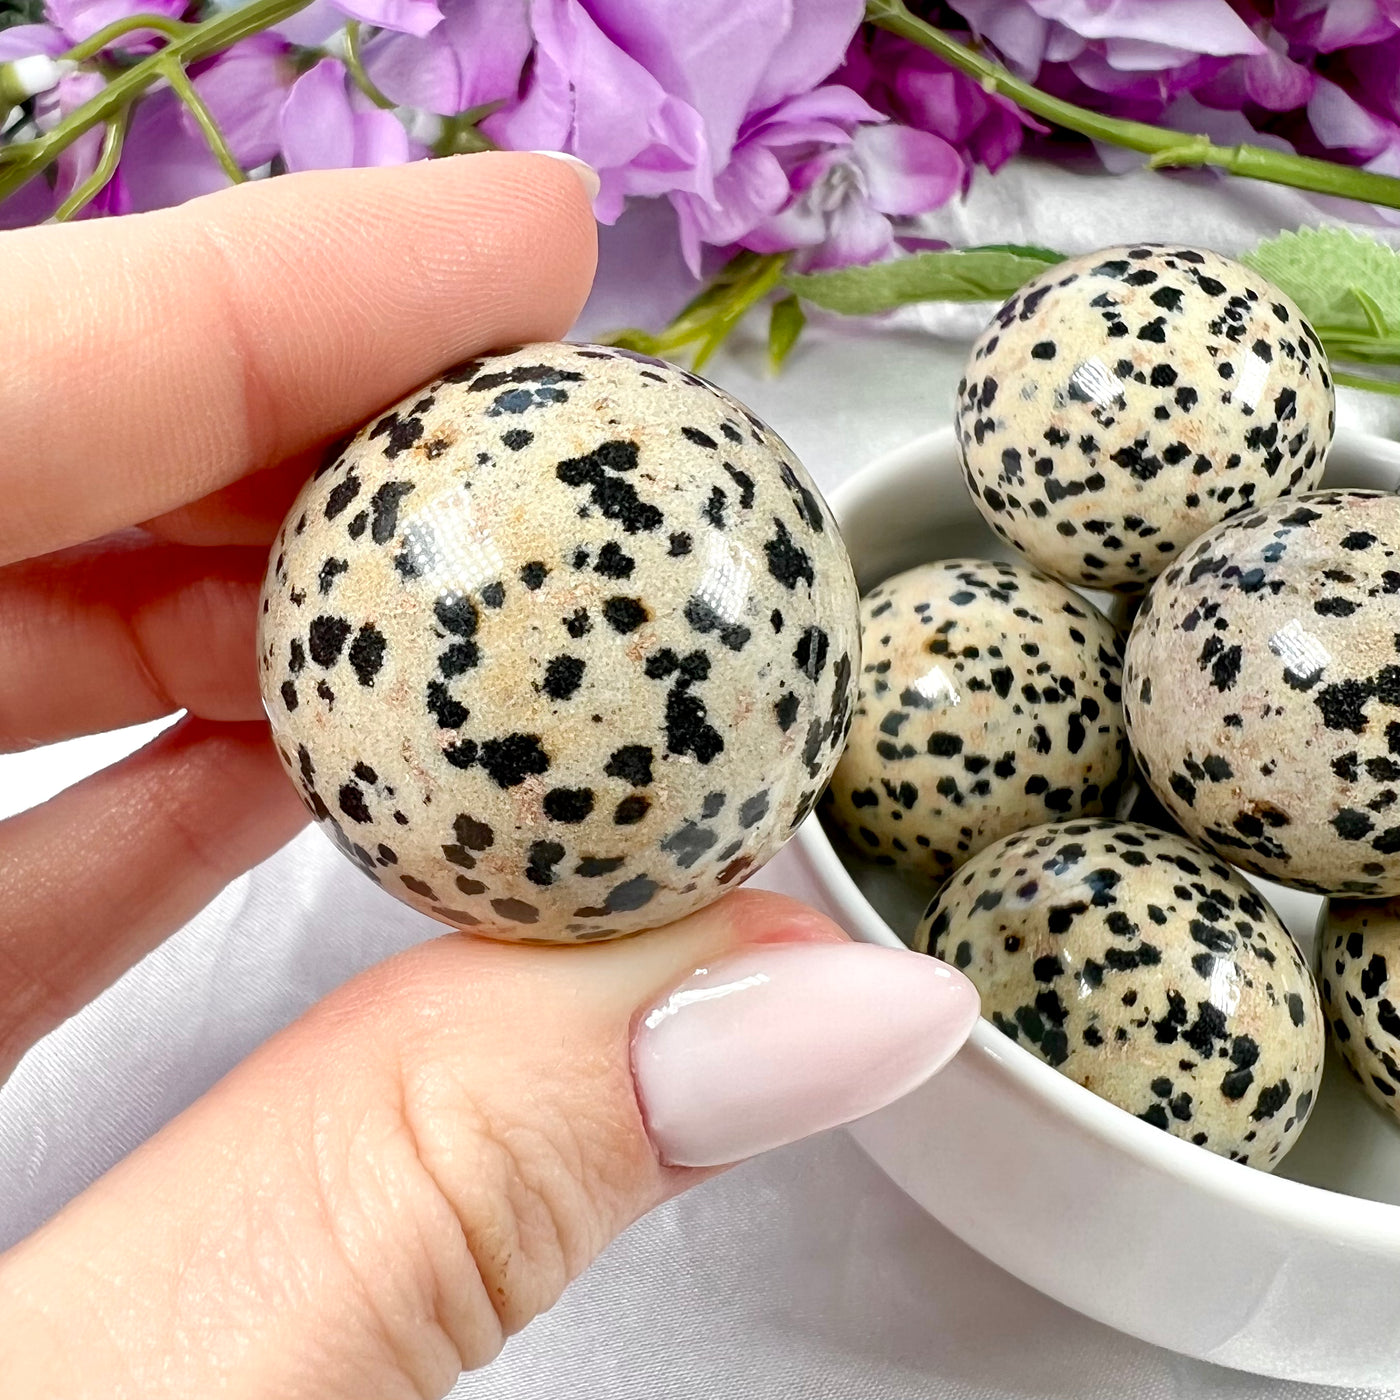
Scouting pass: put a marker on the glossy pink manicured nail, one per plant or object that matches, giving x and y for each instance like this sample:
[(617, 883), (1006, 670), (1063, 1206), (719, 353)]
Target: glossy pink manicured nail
[(786, 1039)]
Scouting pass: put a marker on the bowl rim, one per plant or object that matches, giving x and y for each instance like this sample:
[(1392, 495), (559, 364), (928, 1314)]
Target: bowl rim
[(1358, 1221)]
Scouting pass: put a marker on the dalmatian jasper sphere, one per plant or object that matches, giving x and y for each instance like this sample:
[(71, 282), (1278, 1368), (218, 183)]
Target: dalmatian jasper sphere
[(1121, 404), (1148, 972), (1355, 955), (989, 701), (560, 647), (1262, 690)]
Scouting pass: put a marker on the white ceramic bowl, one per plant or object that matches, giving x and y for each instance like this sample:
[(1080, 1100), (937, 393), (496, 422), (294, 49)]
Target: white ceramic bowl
[(1295, 1275)]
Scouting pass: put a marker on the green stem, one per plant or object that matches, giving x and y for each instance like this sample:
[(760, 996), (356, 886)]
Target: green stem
[(120, 28), (363, 81), (185, 90), (1365, 381), (1163, 145), (103, 171), (199, 41)]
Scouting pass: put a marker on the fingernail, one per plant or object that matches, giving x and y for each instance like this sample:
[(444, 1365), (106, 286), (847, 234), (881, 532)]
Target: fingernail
[(588, 177), (781, 1041)]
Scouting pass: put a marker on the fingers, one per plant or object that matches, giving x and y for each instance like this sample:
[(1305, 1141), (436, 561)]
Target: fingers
[(93, 879), (250, 511), (385, 1191), (126, 630), (151, 361)]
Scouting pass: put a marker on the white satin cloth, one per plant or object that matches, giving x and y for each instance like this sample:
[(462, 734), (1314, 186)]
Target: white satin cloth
[(804, 1274)]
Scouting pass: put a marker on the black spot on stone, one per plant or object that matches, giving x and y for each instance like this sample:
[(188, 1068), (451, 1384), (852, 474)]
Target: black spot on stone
[(785, 710), (457, 614), (327, 636), (688, 843), (613, 562), (385, 505), (700, 439), (630, 894), (517, 911), (563, 676), (449, 713), (615, 498), (632, 763), (367, 653), (568, 804), (330, 570), (533, 574), (512, 759), (810, 652), (541, 860), (704, 619), (578, 623), (631, 810), (458, 658), (590, 867), (353, 804), (625, 614), (341, 495), (788, 562), (753, 809), (687, 730), (517, 438), (680, 544)]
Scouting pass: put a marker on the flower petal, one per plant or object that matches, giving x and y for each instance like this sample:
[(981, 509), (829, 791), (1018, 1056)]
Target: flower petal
[(317, 125), (1204, 26), (594, 100), (711, 55), (856, 233), (244, 88), (80, 19), (405, 16), (165, 159), (474, 57), (380, 138), (820, 34), (907, 171), (1341, 123), (25, 40)]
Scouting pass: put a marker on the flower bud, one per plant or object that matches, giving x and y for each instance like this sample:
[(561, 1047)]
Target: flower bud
[(23, 78)]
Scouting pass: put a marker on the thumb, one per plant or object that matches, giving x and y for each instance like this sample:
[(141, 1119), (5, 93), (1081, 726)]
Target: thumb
[(385, 1191)]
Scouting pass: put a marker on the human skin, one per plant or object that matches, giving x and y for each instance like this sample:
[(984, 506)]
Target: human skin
[(383, 1192)]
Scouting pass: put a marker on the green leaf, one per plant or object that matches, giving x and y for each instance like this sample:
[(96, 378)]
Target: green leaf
[(785, 324), (1340, 280), (987, 275), (1022, 250)]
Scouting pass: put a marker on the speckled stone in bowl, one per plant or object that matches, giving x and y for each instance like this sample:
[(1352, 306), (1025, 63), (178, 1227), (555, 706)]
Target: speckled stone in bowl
[(1124, 402), (989, 701), (1358, 969), (1262, 691), (560, 647), (1145, 970)]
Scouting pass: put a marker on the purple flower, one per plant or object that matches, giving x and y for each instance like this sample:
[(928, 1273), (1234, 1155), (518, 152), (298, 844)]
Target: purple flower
[(474, 57), (654, 95), (845, 198), (1328, 25), (327, 124), (921, 90), (1340, 123), (757, 181), (416, 17), (1131, 51), (1271, 79), (80, 19)]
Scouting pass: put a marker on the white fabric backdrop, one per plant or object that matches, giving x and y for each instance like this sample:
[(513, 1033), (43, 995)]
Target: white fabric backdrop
[(799, 1275)]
